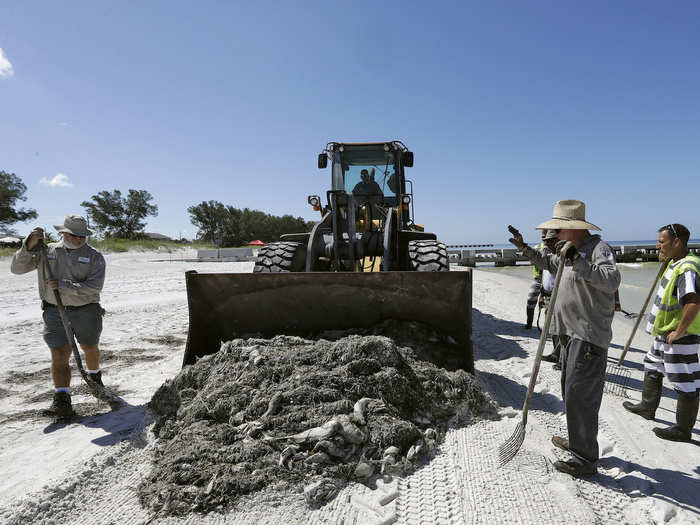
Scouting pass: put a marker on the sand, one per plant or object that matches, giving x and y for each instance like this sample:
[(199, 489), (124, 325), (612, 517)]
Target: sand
[(89, 471)]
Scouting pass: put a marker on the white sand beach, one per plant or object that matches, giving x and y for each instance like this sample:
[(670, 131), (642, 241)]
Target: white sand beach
[(86, 472)]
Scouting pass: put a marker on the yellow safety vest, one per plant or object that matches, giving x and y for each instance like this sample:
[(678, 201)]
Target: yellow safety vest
[(670, 310), (536, 272)]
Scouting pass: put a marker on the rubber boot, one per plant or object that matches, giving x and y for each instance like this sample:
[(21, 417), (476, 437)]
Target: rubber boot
[(530, 317), (651, 396), (686, 413)]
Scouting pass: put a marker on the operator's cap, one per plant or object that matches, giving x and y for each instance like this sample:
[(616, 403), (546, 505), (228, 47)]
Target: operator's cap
[(75, 225)]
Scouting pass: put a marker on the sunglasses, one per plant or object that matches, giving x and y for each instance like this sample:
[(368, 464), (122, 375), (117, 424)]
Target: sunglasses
[(673, 230)]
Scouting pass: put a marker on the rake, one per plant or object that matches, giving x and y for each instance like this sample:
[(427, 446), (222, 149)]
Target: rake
[(617, 377), (510, 447)]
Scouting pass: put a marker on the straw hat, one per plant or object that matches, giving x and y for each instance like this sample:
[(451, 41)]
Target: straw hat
[(75, 225), (568, 215)]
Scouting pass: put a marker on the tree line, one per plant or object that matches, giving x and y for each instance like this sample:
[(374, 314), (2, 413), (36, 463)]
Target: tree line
[(225, 225), (112, 214)]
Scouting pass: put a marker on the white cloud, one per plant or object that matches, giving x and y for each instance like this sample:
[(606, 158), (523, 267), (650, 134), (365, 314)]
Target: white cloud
[(59, 180), (6, 69)]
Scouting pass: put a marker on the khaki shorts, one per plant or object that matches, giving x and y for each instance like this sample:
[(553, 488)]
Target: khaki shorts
[(86, 322)]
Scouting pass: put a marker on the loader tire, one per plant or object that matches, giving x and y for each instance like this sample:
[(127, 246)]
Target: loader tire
[(428, 256), (281, 257)]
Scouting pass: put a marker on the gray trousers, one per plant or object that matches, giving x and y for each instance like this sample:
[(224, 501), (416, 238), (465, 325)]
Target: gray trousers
[(582, 378)]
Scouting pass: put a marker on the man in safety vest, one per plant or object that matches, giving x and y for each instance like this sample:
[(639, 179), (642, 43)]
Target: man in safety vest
[(535, 289), (675, 324)]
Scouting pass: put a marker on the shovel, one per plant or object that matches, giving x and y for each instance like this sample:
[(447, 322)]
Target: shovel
[(99, 391), (510, 447), (617, 376)]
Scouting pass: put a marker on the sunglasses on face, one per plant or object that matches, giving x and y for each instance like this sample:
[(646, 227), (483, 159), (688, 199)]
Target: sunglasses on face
[(672, 229)]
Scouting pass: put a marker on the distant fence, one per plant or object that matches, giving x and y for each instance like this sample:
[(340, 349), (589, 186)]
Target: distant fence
[(510, 256), (226, 255)]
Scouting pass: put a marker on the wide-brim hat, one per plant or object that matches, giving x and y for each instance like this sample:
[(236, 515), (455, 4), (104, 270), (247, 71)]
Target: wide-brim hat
[(74, 224), (568, 215)]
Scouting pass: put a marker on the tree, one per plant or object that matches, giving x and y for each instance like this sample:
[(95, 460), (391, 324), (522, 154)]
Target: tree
[(12, 189), (116, 216), (211, 219), (228, 226)]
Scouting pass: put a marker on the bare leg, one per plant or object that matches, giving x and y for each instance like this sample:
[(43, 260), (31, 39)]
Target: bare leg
[(92, 356), (60, 369)]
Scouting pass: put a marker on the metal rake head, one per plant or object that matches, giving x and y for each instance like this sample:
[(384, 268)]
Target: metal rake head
[(617, 380), (510, 447)]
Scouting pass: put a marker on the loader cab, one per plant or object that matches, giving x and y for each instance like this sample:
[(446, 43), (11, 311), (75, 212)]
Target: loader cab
[(373, 169)]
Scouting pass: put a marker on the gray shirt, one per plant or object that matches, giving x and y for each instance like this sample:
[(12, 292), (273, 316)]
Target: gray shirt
[(585, 303), (80, 273)]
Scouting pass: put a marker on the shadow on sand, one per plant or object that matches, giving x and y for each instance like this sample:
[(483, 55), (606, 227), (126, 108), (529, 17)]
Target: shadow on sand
[(508, 393), (663, 484), (118, 424), (488, 331)]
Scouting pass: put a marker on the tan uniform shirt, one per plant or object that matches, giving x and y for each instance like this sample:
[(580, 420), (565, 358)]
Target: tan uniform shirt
[(586, 301), (80, 273)]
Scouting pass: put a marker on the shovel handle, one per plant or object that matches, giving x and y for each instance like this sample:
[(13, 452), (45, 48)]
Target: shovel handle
[(662, 268), (545, 330)]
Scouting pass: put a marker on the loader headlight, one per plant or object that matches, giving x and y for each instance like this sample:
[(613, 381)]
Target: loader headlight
[(315, 201), (406, 199)]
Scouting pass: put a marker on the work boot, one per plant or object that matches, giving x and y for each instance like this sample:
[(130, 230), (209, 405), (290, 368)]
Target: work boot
[(651, 396), (576, 468), (551, 358), (96, 377), (560, 442), (686, 413), (530, 317), (61, 406)]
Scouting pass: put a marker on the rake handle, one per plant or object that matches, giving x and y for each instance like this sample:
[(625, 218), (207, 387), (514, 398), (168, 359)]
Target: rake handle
[(662, 268), (545, 331)]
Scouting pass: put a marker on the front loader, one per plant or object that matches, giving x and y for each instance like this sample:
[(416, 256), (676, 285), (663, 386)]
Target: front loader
[(365, 261)]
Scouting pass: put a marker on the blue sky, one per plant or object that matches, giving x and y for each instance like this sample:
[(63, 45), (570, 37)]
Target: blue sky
[(508, 106)]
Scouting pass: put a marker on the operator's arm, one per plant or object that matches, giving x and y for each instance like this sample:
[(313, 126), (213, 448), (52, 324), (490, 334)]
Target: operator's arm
[(91, 285), (601, 272)]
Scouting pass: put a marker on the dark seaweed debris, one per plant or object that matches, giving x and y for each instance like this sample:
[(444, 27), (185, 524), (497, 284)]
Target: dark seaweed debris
[(230, 423)]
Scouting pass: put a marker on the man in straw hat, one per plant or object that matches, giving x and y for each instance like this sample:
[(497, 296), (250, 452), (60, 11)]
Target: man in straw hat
[(674, 321), (78, 272), (583, 315)]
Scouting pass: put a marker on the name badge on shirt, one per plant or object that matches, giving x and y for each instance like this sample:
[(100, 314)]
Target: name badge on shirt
[(84, 259), (51, 256)]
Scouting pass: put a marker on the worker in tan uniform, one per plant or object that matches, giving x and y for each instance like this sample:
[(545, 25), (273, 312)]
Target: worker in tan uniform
[(77, 271), (582, 317)]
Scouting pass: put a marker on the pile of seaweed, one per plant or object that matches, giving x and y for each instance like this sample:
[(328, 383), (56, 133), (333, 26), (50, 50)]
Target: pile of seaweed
[(290, 412)]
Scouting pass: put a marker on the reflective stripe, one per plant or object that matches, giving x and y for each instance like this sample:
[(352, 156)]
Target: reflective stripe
[(670, 307)]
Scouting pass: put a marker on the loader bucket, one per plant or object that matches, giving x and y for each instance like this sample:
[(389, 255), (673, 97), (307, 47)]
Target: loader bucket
[(223, 306)]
